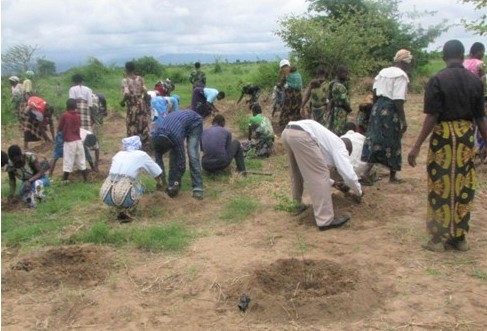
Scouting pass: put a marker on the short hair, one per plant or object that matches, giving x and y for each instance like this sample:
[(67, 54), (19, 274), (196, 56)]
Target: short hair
[(453, 49), (219, 120), (14, 151), (77, 78), (256, 109), (71, 104), (90, 140), (220, 95), (348, 145), (130, 66), (477, 48), (342, 68), (350, 126), (197, 65)]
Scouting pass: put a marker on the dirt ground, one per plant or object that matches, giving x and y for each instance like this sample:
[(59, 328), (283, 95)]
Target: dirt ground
[(371, 274)]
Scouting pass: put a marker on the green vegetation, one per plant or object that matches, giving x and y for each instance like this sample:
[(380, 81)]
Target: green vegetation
[(238, 209)]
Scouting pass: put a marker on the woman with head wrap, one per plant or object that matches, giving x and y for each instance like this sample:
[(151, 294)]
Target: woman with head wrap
[(122, 189), (291, 83), (387, 122)]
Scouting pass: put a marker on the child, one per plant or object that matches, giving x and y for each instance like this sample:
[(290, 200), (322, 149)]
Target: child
[(90, 142), (73, 151)]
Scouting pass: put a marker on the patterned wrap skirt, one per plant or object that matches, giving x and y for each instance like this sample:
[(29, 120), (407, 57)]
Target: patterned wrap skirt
[(383, 141), (121, 192), (291, 107), (138, 120), (451, 178)]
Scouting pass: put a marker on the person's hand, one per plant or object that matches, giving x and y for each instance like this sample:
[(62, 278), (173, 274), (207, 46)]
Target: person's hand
[(413, 154), (27, 185)]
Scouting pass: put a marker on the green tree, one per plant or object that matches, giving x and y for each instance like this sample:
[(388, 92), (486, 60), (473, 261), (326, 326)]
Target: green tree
[(19, 58), (478, 26), (361, 34), (148, 65), (45, 67)]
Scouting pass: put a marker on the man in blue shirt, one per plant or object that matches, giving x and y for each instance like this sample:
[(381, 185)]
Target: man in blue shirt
[(203, 100), (219, 149), (170, 136)]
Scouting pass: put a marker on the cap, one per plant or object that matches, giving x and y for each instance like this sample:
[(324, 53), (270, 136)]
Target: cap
[(284, 63)]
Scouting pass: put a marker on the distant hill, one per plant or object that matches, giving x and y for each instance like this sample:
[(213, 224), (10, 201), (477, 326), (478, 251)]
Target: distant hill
[(66, 63)]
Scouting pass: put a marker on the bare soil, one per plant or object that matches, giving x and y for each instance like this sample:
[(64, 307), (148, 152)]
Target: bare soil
[(372, 274)]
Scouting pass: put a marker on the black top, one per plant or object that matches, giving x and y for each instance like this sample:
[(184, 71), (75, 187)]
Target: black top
[(454, 93)]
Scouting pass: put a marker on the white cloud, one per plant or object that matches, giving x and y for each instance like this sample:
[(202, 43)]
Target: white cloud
[(108, 29)]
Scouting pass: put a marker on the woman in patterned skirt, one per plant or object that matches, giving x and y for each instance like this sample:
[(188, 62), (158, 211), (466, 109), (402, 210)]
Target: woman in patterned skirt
[(138, 111)]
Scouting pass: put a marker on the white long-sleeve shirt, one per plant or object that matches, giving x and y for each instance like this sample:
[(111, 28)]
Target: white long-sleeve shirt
[(132, 163), (334, 151), (357, 140)]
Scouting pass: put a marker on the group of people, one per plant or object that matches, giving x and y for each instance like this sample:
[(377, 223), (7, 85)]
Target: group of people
[(316, 147)]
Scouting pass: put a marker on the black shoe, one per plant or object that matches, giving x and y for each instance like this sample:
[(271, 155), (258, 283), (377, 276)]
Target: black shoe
[(337, 222)]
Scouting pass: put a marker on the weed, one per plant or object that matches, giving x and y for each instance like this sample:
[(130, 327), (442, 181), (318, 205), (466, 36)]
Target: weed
[(238, 209), (480, 274), (285, 203)]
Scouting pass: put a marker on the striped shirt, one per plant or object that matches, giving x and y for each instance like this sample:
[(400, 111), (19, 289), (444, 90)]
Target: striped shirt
[(176, 127)]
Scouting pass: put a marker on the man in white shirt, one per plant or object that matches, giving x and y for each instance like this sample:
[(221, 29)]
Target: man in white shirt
[(84, 100), (313, 150)]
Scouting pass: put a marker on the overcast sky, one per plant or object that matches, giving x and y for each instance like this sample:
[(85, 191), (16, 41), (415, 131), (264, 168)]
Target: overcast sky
[(109, 29)]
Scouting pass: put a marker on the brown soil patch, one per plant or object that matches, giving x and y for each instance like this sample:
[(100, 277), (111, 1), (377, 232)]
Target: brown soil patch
[(302, 289), (72, 266)]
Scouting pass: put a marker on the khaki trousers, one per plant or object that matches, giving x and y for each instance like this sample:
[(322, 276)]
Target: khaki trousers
[(308, 165)]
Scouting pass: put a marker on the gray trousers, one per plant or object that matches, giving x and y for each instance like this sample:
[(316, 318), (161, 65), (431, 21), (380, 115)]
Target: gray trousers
[(308, 165)]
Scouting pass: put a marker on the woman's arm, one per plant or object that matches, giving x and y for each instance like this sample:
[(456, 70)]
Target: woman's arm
[(428, 125)]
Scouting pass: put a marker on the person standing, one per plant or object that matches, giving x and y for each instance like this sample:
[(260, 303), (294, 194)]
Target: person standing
[(197, 78), (138, 113), (219, 149), (387, 122), (27, 85), (453, 100), (475, 63), (339, 101), (317, 95), (312, 150), (73, 150), (292, 85), (84, 100), (17, 96), (122, 188), (170, 137)]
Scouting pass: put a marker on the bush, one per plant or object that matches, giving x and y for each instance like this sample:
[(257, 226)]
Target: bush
[(149, 65)]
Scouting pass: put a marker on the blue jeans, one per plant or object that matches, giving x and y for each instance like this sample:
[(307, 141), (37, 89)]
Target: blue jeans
[(194, 140)]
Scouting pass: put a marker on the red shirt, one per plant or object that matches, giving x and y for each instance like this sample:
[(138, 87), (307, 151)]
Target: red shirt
[(70, 124)]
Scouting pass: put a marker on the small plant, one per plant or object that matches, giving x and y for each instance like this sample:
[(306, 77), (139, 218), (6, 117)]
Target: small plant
[(480, 274), (285, 203)]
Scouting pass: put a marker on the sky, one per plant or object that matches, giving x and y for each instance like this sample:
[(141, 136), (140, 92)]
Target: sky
[(112, 30)]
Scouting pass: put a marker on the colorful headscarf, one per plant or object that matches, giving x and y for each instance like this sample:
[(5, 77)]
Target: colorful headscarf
[(132, 143)]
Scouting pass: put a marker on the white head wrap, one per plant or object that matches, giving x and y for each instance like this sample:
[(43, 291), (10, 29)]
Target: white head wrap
[(132, 143), (403, 55)]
